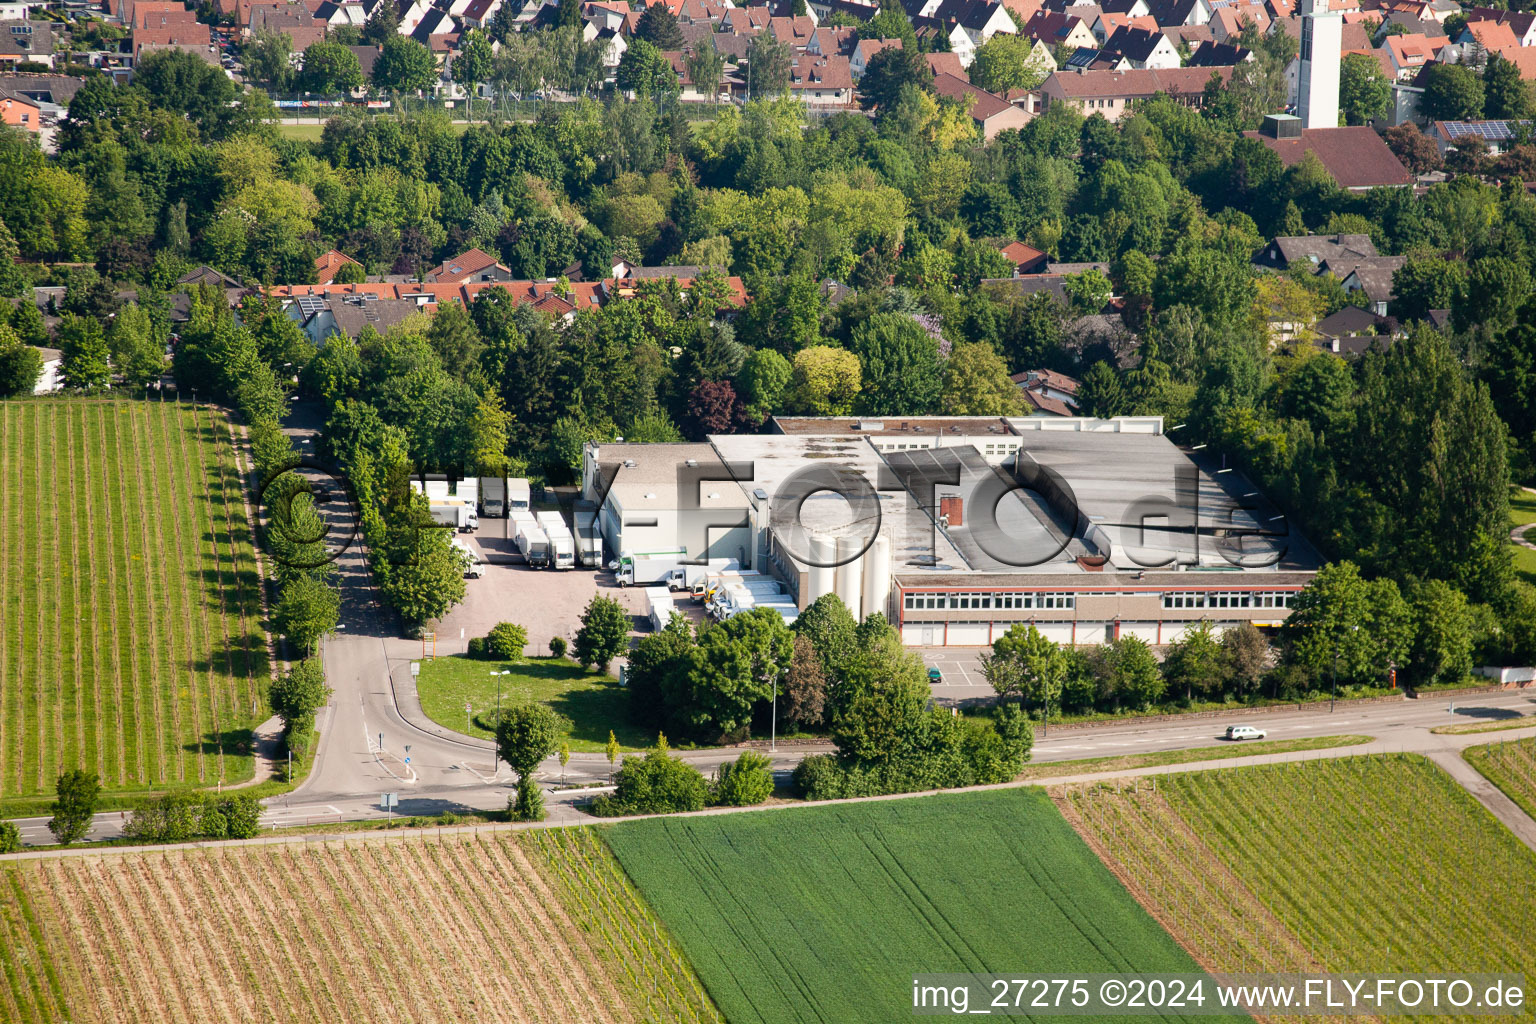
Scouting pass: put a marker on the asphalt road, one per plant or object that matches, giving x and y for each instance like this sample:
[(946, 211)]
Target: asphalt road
[(374, 739)]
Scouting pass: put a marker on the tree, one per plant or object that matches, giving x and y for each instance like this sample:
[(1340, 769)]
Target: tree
[(525, 735), (1008, 61), (85, 353), (506, 641), (136, 351), (831, 628), (473, 64), (736, 664), (1424, 282), (1345, 623), (1100, 392), (824, 381), (706, 67), (899, 366), (805, 684), (744, 782), (1443, 633), (768, 62), (1364, 92), (382, 25), (604, 633), (306, 610), (1507, 96), (889, 73), (268, 59), (1245, 655), (297, 696), (75, 803), (1134, 672), (761, 382), (10, 837), (403, 66), (658, 26), (331, 68), (645, 71), (1026, 665), (1194, 663), (1416, 150), (1452, 92), (20, 365)]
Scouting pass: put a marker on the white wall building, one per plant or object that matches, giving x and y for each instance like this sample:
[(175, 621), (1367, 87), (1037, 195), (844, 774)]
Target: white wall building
[(1317, 94)]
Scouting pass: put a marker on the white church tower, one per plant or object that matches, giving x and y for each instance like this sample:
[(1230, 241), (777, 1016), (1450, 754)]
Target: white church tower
[(1317, 96)]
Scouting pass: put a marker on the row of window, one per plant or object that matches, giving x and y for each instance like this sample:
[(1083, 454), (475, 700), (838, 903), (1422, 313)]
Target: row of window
[(1234, 599), (1229, 600), (990, 600)]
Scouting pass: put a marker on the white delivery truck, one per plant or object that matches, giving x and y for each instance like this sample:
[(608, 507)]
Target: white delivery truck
[(705, 586), (457, 514), (493, 497), (646, 572), (474, 565), (532, 542), (518, 493), (562, 546), (589, 540)]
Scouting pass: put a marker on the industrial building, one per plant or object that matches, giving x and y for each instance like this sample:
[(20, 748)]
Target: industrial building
[(956, 528)]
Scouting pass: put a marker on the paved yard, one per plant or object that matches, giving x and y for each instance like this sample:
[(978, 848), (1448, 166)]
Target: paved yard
[(546, 602)]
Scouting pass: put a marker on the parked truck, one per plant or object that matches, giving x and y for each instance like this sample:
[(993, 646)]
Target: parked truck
[(705, 586), (474, 565), (532, 542), (457, 514), (493, 497), (647, 572), (589, 540), (562, 546)]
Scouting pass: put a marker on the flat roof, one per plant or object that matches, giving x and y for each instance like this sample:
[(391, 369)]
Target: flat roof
[(653, 480), (1116, 582), (880, 426)]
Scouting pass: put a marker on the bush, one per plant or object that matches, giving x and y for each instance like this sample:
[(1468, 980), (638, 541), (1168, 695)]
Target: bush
[(10, 837), (557, 646), (745, 782), (179, 817), (243, 816), (477, 647), (657, 783), (212, 822), (505, 641)]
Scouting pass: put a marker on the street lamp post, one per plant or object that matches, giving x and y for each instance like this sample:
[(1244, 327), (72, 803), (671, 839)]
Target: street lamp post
[(773, 728), (495, 754)]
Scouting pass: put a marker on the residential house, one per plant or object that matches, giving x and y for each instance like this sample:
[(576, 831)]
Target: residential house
[(1521, 23), (26, 42), (1026, 259), (338, 15), (1409, 53), (821, 81), (158, 14), (1313, 251), (328, 263), (1170, 13), (20, 112), (1353, 330), (1057, 28), (794, 32), (1373, 277), (865, 49), (1228, 21), (949, 64), (992, 113), (1219, 55), (194, 36), (473, 266), (1356, 157), (1143, 48), (833, 39), (1496, 135), (1108, 23), (322, 317), (51, 93), (1112, 92), (1047, 393)]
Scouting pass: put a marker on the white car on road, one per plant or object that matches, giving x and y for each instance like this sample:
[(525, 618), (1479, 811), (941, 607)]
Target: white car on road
[(1245, 732)]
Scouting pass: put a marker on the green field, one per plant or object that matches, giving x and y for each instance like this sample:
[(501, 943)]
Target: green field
[(1374, 863), (593, 703), (825, 913), (1510, 766), (1522, 510), (131, 640)]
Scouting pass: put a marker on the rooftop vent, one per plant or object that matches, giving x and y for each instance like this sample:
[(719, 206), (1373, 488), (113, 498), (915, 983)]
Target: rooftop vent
[(1281, 126), (629, 463), (869, 425)]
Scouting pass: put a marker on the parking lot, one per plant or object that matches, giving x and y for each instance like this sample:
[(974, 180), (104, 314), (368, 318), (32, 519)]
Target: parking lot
[(963, 680), (545, 602)]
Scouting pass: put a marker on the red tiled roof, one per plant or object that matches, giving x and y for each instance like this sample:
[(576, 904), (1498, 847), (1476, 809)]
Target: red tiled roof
[(463, 266), (1137, 83), (328, 263), (980, 104), (947, 63), (1356, 157)]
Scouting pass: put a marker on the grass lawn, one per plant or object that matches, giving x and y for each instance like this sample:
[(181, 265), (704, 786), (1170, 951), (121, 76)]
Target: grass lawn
[(1501, 725), (592, 703), (1088, 765), (825, 913), (1522, 506), (312, 132)]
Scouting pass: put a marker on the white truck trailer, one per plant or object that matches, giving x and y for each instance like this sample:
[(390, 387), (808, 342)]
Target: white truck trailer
[(532, 542), (562, 546), (589, 539), (650, 572), (457, 514)]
